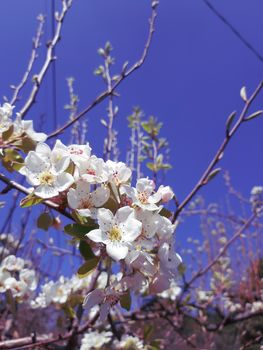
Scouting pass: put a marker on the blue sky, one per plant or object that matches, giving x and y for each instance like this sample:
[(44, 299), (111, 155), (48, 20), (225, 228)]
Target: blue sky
[(190, 81)]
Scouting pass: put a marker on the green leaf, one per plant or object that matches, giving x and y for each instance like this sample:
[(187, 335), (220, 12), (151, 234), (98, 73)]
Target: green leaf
[(85, 250), (69, 311), (13, 156), (125, 301), (151, 166), (181, 269), (88, 267), (8, 165), (78, 231), (146, 127), (30, 200), (44, 221)]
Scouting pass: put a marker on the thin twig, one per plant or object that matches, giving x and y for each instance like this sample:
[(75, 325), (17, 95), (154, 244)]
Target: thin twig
[(33, 57), (125, 73), (219, 153), (37, 79), (223, 250), (26, 191)]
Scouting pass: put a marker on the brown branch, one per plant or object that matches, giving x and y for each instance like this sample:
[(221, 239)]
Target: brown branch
[(43, 340), (26, 191), (125, 73), (204, 178), (37, 79)]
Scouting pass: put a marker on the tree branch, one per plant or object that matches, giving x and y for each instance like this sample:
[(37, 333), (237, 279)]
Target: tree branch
[(37, 79), (204, 178), (124, 74)]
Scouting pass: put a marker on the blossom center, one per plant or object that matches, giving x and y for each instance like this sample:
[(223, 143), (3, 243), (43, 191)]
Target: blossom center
[(86, 204), (112, 299), (46, 178), (115, 234), (143, 197), (130, 345), (75, 151), (91, 172)]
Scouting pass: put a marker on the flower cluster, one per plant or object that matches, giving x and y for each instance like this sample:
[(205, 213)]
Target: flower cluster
[(16, 278), (20, 128), (256, 198), (124, 224), (58, 292), (94, 340)]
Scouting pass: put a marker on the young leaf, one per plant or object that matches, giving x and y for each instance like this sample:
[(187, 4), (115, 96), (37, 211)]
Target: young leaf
[(243, 93), (78, 231), (30, 200), (125, 301), (254, 115), (85, 250), (8, 133), (212, 175), (88, 267), (44, 221)]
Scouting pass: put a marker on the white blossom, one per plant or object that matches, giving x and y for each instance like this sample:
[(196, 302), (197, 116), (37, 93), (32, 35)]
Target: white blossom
[(45, 171), (95, 340), (26, 127), (129, 342), (143, 195), (5, 117), (116, 232), (86, 202), (119, 173), (12, 263)]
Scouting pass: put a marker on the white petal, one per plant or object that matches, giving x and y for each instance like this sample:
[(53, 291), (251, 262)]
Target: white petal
[(35, 163), (43, 150), (131, 230), (73, 200), (104, 311), (155, 198), (100, 196), (145, 185), (129, 191), (64, 181), (37, 136), (85, 212), (123, 214), (116, 250), (46, 191), (93, 298), (97, 236), (105, 219), (83, 189), (124, 173)]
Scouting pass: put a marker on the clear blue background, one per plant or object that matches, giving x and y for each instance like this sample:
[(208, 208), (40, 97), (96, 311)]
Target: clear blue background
[(190, 81)]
